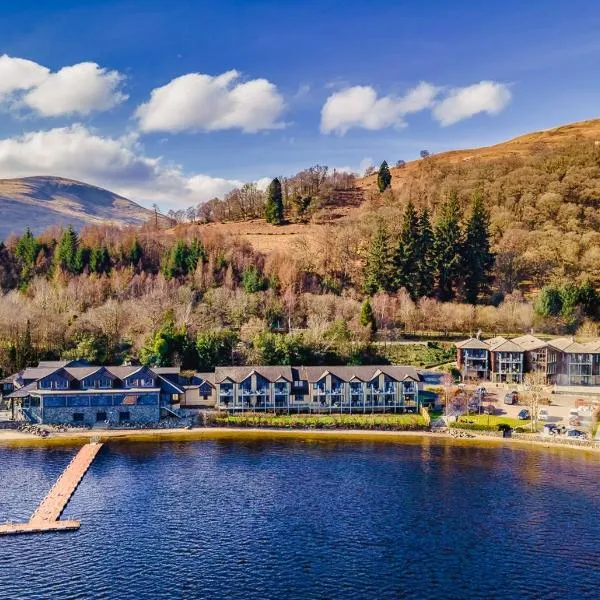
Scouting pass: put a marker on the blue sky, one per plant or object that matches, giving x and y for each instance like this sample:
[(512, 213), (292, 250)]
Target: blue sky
[(176, 101)]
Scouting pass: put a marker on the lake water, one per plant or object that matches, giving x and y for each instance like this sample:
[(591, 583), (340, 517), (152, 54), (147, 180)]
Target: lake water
[(292, 519)]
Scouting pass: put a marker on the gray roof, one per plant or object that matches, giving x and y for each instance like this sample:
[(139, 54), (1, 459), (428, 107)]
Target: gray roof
[(530, 342), (472, 344), (238, 374), (36, 373), (24, 391), (166, 370), (501, 344), (360, 372), (570, 346)]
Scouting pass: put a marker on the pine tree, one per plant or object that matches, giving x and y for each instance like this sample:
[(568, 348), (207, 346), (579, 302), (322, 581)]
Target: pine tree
[(447, 248), (478, 260), (378, 271), (27, 250), (424, 270), (384, 177), (66, 255), (99, 259), (274, 204), (406, 253), (367, 316), (135, 253)]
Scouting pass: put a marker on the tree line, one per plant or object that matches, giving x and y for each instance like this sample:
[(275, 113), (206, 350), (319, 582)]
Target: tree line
[(446, 259)]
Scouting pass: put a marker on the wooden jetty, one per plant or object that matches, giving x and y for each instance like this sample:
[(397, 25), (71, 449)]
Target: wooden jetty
[(47, 515)]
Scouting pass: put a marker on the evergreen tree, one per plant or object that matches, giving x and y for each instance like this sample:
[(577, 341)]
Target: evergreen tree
[(169, 345), (447, 248), (215, 348), (384, 177), (589, 300), (135, 253), (424, 269), (378, 271), (177, 261), (274, 204), (477, 258), (66, 255), (196, 253), (99, 259), (406, 254), (367, 316), (549, 302), (27, 250)]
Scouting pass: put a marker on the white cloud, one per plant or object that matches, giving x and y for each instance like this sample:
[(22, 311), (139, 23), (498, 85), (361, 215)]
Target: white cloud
[(461, 103), (19, 74), (118, 164), (359, 106), (202, 102), (78, 89)]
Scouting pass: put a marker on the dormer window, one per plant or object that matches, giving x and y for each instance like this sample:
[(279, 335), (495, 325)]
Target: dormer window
[(46, 384)]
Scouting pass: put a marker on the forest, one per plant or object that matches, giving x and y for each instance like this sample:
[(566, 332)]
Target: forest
[(503, 246)]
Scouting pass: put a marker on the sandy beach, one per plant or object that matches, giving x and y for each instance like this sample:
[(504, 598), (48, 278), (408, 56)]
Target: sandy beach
[(10, 438)]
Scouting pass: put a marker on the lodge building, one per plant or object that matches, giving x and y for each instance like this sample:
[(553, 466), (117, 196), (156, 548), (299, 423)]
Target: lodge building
[(72, 392), (563, 361)]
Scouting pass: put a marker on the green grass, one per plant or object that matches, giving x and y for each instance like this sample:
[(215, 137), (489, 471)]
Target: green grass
[(419, 355), (391, 422), (489, 422)]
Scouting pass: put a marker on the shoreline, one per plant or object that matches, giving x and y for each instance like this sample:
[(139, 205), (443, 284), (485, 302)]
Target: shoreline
[(16, 439)]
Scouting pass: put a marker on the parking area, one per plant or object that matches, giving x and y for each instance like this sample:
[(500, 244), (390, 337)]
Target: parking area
[(559, 411)]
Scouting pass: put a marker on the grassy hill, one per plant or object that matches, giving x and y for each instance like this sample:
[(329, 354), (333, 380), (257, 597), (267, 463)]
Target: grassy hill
[(41, 202)]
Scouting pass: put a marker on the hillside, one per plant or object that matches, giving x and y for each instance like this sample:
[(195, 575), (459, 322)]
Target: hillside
[(517, 148), (40, 202)]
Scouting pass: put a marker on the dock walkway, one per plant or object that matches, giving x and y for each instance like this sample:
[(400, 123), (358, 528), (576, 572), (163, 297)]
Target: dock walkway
[(46, 516)]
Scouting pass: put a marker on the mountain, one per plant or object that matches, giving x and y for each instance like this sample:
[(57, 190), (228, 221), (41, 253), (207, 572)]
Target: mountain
[(40, 202)]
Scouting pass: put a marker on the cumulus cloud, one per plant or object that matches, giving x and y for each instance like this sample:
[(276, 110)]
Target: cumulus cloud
[(360, 106), (118, 164), (461, 103), (19, 74), (79, 89), (202, 102)]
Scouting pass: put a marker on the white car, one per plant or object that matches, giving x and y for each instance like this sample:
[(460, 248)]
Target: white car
[(543, 414)]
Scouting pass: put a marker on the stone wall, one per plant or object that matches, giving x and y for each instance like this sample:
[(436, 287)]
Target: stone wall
[(137, 414)]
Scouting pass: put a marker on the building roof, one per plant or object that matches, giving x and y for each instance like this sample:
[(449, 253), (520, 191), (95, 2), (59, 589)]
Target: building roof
[(166, 370), (501, 344), (570, 346), (238, 374), (593, 346), (360, 372), (472, 344), (530, 342)]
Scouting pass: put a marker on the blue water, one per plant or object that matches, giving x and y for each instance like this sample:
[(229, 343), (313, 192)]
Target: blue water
[(323, 520)]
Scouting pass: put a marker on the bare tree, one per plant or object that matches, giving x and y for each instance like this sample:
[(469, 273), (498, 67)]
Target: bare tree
[(535, 383)]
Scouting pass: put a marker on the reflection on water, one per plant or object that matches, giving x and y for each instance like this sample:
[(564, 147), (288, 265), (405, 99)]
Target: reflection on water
[(307, 519)]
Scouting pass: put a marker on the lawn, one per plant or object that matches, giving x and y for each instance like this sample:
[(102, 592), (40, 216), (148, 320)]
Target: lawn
[(489, 422), (390, 422), (419, 355)]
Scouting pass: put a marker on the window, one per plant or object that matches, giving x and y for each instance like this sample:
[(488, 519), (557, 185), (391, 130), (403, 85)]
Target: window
[(45, 384), (123, 416), (78, 417)]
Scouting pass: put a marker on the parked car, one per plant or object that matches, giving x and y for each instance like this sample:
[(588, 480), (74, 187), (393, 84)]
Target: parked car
[(575, 433), (490, 409), (543, 414), (509, 399), (524, 415), (574, 421)]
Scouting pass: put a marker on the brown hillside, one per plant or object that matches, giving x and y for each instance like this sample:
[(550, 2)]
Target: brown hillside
[(521, 146)]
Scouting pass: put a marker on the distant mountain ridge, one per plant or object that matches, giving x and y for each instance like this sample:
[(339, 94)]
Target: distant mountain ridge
[(43, 201)]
